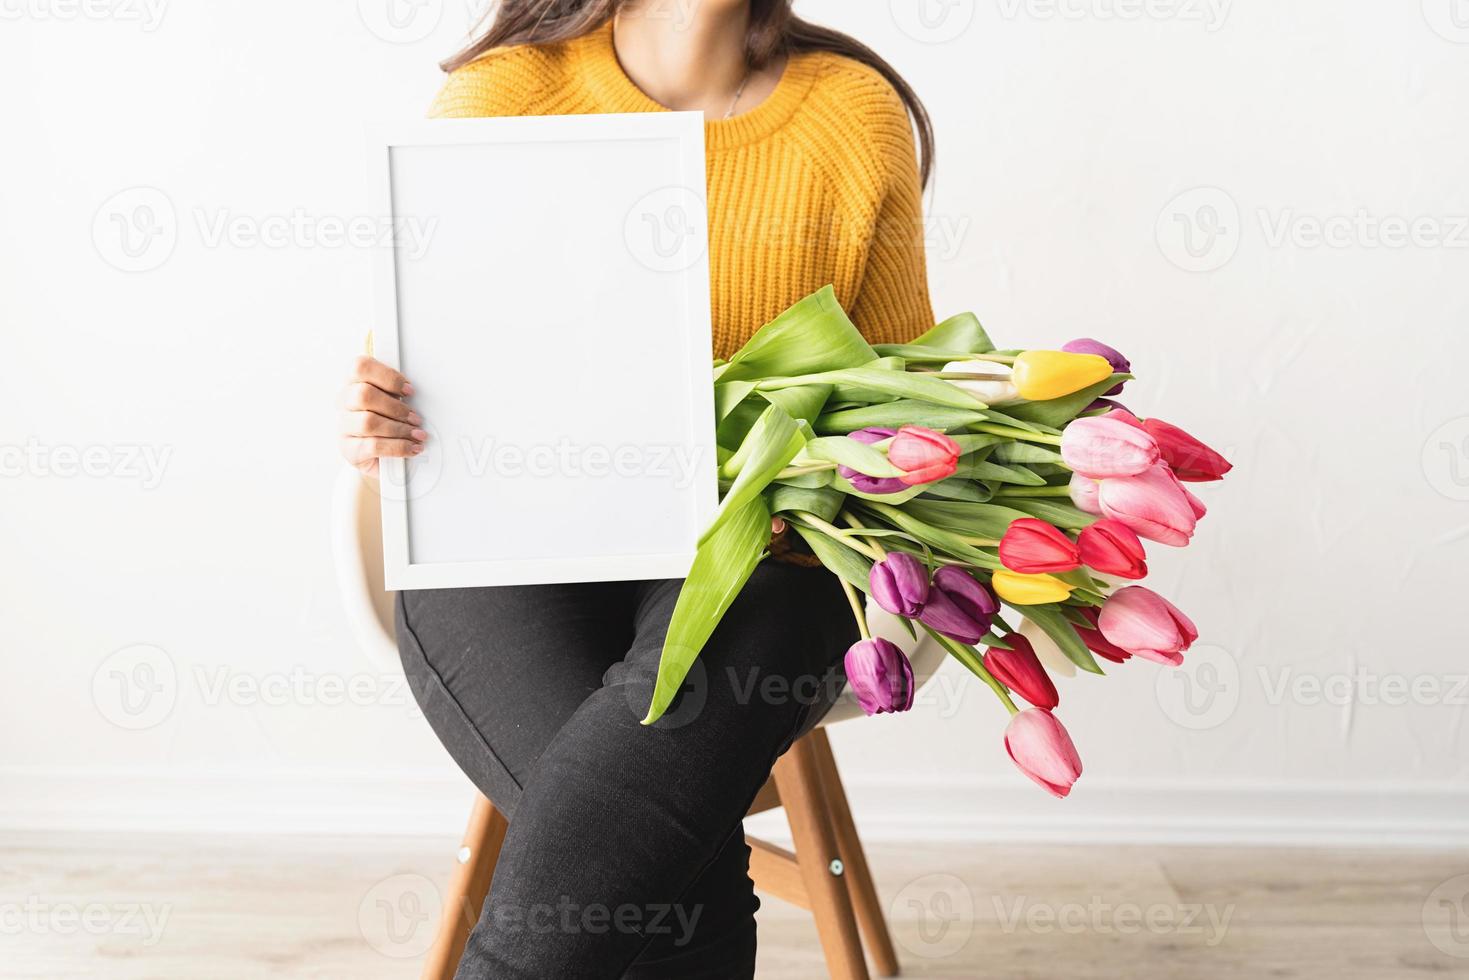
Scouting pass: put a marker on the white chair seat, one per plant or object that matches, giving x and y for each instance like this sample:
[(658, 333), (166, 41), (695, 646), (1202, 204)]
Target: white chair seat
[(357, 543)]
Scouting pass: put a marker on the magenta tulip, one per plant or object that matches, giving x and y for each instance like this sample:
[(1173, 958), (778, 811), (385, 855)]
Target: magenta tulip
[(1153, 504), (872, 484), (1144, 623), (1041, 748), (1020, 670), (1107, 446), (958, 606), (924, 455), (1120, 364), (1190, 459), (1112, 548), (880, 676), (899, 584), (1032, 546)]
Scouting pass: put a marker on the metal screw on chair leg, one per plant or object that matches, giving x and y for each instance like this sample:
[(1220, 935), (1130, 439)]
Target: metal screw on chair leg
[(464, 855), (837, 867)]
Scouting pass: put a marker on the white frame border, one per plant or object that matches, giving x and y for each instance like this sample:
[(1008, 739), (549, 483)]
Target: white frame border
[(685, 127)]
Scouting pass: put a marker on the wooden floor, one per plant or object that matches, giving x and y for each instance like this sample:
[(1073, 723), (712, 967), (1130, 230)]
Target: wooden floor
[(159, 908)]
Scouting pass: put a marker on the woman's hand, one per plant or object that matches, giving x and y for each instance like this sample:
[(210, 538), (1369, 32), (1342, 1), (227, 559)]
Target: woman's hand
[(377, 422)]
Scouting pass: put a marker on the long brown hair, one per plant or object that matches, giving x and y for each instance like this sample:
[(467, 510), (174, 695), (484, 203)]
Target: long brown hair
[(774, 30)]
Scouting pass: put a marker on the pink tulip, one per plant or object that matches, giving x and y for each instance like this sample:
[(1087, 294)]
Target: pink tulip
[(1032, 546), (924, 455), (1153, 504), (1144, 623), (1111, 547), (1020, 670), (1190, 459), (1096, 642), (1194, 503), (1106, 446), (1042, 750), (1084, 491)]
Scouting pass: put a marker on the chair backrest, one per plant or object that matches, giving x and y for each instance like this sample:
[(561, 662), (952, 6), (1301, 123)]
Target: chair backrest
[(358, 547)]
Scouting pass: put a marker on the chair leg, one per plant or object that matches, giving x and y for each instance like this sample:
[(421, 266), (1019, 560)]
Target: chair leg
[(468, 886), (858, 875), (798, 777)]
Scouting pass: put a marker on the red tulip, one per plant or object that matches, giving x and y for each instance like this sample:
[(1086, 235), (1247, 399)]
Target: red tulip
[(1106, 446), (1111, 548), (1096, 642), (1020, 670), (1153, 504), (1041, 748), (923, 454), (1032, 546), (1144, 623), (1189, 458)]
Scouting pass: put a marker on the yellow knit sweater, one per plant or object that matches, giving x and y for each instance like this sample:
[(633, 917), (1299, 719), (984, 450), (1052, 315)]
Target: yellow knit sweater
[(818, 184)]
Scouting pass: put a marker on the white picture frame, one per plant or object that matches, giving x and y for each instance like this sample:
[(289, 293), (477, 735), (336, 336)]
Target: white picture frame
[(547, 294)]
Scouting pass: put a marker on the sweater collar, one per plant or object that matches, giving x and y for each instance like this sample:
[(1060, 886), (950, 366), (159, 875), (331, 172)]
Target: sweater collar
[(596, 64)]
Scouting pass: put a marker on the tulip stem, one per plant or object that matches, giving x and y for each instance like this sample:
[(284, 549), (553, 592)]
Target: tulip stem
[(1010, 432), (857, 609), (873, 543), (981, 542), (837, 534), (790, 472), (970, 659), (1033, 492), (997, 358)]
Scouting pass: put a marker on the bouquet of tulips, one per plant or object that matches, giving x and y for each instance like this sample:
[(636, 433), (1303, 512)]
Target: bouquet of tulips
[(942, 478)]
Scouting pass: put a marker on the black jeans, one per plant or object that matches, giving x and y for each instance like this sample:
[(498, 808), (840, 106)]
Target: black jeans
[(625, 855)]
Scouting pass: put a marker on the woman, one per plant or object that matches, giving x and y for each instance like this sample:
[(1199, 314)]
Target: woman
[(625, 855)]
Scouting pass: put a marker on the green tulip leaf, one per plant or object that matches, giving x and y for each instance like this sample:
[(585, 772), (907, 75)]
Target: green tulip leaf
[(1050, 619), (723, 564), (840, 560), (814, 335), (773, 442), (895, 415)]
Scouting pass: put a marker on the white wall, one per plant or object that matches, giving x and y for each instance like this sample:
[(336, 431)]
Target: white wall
[(1074, 135)]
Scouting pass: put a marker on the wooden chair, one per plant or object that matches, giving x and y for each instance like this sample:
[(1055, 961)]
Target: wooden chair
[(826, 872)]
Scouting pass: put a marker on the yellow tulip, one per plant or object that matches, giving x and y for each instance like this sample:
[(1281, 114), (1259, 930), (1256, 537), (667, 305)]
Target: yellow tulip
[(1020, 589), (1040, 375)]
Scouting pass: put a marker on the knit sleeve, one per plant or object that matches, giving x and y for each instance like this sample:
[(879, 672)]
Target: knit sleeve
[(892, 304)]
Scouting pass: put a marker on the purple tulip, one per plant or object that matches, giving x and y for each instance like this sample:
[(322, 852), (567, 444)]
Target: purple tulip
[(1105, 405), (958, 605), (899, 583), (880, 675), (1120, 364), (863, 482), (872, 434)]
